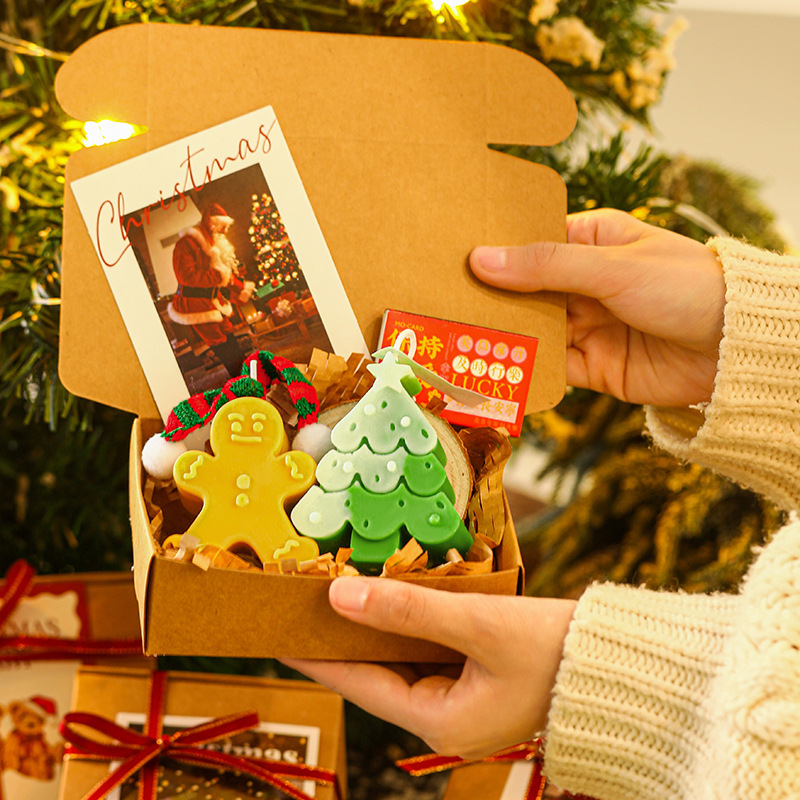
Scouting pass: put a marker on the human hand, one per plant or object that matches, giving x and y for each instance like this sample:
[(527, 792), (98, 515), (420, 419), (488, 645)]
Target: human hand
[(644, 305), (501, 694)]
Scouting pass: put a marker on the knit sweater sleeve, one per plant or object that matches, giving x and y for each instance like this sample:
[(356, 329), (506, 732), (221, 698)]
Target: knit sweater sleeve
[(666, 695), (750, 431)]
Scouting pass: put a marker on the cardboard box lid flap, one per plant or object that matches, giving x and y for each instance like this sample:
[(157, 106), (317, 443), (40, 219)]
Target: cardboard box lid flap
[(398, 127), (450, 92)]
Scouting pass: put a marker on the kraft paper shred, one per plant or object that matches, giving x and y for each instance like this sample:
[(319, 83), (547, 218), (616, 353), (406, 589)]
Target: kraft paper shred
[(489, 451)]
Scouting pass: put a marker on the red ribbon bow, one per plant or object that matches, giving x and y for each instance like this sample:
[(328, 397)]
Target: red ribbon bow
[(19, 581), (527, 751), (140, 752)]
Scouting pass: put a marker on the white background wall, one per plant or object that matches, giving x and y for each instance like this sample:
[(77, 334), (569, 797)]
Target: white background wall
[(734, 97)]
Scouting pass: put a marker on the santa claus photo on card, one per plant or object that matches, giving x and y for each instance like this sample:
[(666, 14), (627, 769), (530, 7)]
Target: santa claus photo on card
[(212, 251)]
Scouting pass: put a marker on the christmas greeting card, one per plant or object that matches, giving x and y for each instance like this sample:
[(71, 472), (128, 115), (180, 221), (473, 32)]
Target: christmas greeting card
[(212, 250)]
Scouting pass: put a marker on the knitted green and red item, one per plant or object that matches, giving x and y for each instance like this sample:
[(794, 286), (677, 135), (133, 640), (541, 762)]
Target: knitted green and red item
[(199, 409), (259, 371)]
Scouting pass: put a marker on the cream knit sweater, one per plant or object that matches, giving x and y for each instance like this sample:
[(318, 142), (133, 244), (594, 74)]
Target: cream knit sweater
[(670, 695)]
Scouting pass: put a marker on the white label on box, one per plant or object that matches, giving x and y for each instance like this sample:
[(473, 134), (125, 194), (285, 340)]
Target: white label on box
[(517, 781)]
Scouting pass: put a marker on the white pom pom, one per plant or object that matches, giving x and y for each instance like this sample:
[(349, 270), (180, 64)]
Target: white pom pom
[(314, 439), (159, 455)]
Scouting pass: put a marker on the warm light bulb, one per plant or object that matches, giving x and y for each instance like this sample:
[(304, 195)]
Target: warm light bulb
[(105, 131), (452, 5)]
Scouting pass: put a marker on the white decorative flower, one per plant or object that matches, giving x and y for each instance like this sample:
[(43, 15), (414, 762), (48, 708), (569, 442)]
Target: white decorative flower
[(619, 83), (641, 83), (663, 57), (542, 9), (643, 95), (569, 40)]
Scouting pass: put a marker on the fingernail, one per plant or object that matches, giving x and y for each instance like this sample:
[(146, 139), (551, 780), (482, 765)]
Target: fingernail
[(349, 594), (492, 259)]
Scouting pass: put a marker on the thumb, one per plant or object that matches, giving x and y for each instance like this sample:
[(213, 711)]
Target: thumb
[(542, 266), (451, 619)]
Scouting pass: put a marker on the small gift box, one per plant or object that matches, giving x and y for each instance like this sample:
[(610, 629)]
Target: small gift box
[(497, 781), (514, 773), (48, 626), (147, 735)]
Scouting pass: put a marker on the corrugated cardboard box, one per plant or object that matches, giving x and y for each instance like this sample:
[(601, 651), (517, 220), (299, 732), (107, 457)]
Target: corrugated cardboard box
[(390, 138)]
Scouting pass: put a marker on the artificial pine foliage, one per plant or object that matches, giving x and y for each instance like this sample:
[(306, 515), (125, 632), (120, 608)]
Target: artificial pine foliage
[(64, 501), (607, 175), (729, 199)]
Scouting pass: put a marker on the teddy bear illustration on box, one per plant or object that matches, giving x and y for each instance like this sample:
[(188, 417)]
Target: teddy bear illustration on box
[(28, 749)]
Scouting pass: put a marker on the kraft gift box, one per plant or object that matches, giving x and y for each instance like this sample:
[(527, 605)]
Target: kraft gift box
[(391, 139), (298, 723)]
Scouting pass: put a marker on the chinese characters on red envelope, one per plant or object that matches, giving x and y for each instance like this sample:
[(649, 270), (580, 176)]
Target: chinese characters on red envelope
[(496, 364)]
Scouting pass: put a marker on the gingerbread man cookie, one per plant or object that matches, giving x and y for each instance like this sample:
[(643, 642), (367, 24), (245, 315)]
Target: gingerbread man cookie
[(246, 484)]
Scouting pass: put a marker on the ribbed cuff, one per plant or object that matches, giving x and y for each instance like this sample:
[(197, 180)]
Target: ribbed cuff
[(630, 714), (749, 430)]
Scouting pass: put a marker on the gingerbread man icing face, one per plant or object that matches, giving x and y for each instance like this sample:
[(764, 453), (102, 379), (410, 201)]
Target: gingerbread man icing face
[(245, 486), (240, 425)]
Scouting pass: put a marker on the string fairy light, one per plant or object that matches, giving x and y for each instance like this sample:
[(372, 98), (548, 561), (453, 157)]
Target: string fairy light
[(105, 131), (454, 7)]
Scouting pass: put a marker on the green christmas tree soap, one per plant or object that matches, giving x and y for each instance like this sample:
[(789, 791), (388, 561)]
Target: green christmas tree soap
[(385, 481)]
